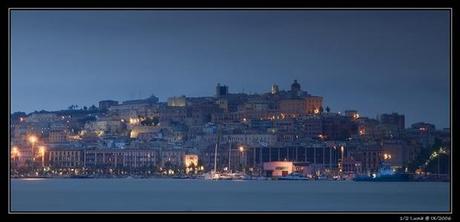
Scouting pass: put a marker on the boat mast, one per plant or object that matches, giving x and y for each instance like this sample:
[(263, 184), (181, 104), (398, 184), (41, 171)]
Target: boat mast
[(215, 159), (229, 155), (215, 151)]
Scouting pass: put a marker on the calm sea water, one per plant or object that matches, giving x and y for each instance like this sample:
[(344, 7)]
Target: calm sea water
[(202, 195)]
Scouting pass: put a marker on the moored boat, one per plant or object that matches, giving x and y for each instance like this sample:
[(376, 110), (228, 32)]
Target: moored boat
[(363, 178), (80, 176), (385, 174), (293, 176)]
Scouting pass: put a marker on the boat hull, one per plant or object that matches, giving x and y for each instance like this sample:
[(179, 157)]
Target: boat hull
[(386, 178)]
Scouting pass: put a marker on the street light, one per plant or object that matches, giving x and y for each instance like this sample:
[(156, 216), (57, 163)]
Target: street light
[(342, 149), (15, 152), (15, 155), (33, 139), (241, 148), (42, 150), (386, 156)]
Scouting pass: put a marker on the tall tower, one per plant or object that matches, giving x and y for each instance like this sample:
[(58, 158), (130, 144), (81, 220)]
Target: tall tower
[(221, 90), (295, 88), (275, 89)]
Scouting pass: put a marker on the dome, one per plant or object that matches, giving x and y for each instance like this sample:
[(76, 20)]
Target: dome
[(295, 86)]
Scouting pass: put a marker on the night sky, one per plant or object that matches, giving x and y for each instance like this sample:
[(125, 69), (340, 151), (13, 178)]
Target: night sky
[(372, 61)]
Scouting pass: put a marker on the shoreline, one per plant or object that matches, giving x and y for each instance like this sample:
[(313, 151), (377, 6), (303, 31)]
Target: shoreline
[(197, 178)]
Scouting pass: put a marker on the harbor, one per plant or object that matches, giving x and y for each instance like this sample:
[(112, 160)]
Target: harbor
[(168, 194)]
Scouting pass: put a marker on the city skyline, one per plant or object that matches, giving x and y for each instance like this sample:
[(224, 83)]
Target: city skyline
[(72, 61)]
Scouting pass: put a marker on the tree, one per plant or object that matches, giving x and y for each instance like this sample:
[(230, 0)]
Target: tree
[(328, 109), (85, 108), (155, 120), (147, 122), (92, 108), (73, 107), (321, 110), (423, 156)]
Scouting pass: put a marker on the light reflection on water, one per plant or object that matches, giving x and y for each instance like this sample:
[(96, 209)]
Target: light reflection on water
[(32, 179)]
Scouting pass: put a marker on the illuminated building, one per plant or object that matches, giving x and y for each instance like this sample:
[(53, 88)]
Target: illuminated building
[(106, 104), (180, 101), (353, 114), (57, 136), (394, 119), (116, 158), (63, 158), (190, 161), (292, 106), (278, 168), (313, 104)]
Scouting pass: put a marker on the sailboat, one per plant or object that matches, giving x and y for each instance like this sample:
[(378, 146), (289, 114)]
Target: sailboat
[(213, 175)]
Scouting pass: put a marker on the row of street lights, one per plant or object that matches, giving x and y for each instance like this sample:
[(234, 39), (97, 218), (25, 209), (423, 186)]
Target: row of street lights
[(15, 153), (241, 149), (342, 151)]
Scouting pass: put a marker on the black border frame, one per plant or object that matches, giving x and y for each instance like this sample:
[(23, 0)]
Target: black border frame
[(254, 5)]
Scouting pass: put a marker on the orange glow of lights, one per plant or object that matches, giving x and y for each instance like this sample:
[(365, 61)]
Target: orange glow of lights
[(33, 139), (386, 156), (15, 151), (42, 150)]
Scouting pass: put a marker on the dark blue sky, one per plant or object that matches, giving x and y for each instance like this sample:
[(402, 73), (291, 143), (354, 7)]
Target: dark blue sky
[(372, 61)]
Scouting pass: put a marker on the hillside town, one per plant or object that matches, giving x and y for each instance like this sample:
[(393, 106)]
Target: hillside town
[(272, 134)]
